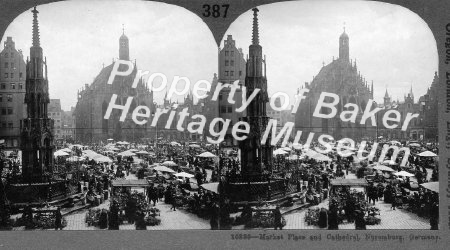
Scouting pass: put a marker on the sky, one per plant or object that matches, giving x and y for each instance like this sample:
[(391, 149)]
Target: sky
[(392, 45)]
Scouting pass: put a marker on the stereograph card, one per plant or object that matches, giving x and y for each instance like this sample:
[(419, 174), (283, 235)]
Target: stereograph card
[(224, 124)]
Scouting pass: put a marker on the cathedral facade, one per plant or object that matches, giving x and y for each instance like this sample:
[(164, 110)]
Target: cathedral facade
[(342, 78), (94, 99)]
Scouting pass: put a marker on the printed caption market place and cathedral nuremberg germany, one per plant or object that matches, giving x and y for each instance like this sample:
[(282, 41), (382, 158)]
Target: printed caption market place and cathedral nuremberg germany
[(74, 170)]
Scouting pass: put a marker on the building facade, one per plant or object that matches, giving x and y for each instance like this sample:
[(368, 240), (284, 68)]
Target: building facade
[(12, 93), (55, 113), (94, 99), (232, 67), (424, 127), (169, 131), (342, 78), (68, 125)]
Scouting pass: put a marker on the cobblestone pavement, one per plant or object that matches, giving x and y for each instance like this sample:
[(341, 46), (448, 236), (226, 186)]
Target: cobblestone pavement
[(170, 219), (174, 220), (390, 219)]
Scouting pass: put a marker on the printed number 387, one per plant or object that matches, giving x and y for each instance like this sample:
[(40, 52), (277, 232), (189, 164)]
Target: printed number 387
[(215, 10)]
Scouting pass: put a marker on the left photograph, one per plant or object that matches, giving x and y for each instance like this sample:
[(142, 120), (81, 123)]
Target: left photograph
[(83, 139)]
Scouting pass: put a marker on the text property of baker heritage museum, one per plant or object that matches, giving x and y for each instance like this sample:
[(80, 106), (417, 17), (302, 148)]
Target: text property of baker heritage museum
[(391, 119)]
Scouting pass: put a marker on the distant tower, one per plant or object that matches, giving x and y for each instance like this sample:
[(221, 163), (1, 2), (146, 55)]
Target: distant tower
[(256, 157), (411, 93), (387, 99), (37, 130), (124, 49), (344, 47)]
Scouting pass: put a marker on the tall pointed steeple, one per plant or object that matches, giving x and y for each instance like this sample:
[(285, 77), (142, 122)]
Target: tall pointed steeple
[(411, 92), (387, 99), (256, 155), (255, 31), (36, 41), (37, 129)]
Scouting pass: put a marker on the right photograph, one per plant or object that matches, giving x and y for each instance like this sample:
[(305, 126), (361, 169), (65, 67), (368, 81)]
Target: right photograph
[(341, 118)]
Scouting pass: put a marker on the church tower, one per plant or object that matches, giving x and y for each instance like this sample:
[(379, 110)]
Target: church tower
[(344, 47), (256, 156), (124, 49), (37, 129)]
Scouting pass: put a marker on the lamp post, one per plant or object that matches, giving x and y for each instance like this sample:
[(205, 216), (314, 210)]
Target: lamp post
[(91, 111), (156, 132), (423, 119)]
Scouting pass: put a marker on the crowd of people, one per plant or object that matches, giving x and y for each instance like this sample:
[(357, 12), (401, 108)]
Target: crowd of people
[(302, 173)]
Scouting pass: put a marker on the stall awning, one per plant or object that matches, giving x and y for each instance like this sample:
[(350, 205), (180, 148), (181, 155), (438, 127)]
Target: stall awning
[(433, 186), (349, 182), (130, 183)]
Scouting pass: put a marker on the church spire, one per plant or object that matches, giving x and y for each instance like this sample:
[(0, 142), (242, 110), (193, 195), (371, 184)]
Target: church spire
[(344, 47), (124, 50), (36, 42), (411, 92), (255, 32)]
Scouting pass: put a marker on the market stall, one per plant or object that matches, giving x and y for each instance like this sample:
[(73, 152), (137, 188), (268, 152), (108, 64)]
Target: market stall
[(127, 204)]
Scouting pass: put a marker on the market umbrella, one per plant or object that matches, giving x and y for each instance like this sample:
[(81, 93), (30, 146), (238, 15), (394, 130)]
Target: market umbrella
[(103, 158), (433, 186), (414, 144), (194, 146), (294, 157), (75, 159), (67, 150), (427, 154), (395, 142), (184, 175), (287, 149), (169, 164), (389, 162), (321, 157), (212, 186), (206, 155), (163, 169), (60, 153), (404, 173), (142, 152), (113, 148), (126, 153), (133, 150), (174, 143), (384, 168), (279, 152), (76, 146), (122, 143)]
